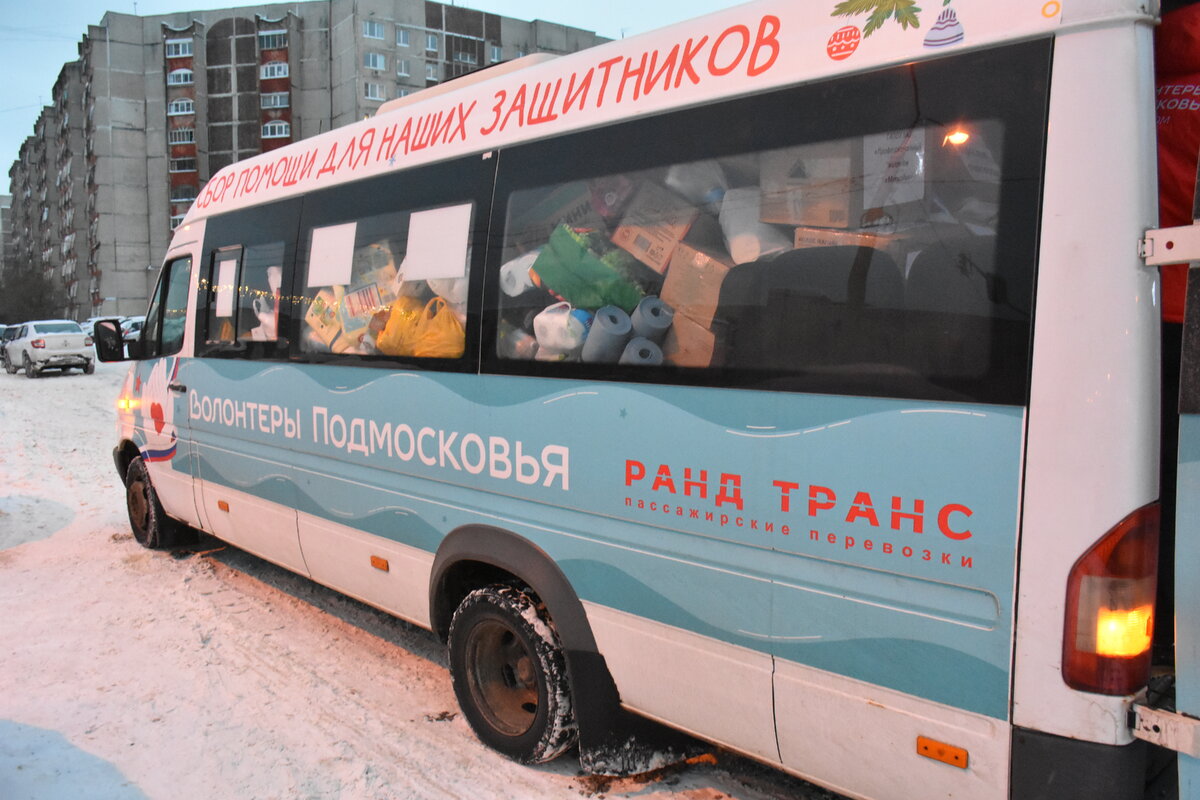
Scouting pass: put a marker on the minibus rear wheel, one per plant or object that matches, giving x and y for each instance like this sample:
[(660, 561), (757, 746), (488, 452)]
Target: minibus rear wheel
[(510, 675), (151, 526)]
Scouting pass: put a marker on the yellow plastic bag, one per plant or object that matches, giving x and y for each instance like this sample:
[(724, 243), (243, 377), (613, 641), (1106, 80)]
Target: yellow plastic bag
[(399, 335), (440, 334)]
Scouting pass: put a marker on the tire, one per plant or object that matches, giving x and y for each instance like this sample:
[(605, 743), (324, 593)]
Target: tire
[(30, 370), (89, 367), (10, 367), (510, 675), (151, 526)]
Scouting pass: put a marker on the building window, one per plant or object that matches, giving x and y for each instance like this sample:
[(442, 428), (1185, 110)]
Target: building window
[(402, 92), (276, 129), (183, 194), (273, 69), (183, 105), (177, 220), (374, 61), (402, 67), (465, 58), (402, 37), (497, 54), (372, 29), (178, 48), (431, 72), (373, 91), (180, 77), (521, 54), (183, 165), (274, 100), (431, 42), (181, 136), (272, 40)]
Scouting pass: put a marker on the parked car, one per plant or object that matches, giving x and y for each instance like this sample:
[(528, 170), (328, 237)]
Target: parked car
[(10, 333), (89, 325), (49, 344), (131, 328)]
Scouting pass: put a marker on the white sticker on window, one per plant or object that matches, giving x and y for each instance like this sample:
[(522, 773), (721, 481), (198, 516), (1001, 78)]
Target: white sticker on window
[(331, 255), (226, 282), (893, 167), (437, 243)]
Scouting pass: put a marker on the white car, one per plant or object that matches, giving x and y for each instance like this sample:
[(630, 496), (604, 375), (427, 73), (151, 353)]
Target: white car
[(49, 344)]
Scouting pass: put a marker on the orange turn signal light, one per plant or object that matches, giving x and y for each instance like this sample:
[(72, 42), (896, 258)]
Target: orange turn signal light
[(380, 563)]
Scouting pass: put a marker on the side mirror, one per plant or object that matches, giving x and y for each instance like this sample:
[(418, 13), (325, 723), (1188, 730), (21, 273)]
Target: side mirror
[(109, 345)]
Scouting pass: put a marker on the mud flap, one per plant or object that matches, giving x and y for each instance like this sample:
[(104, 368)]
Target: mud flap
[(613, 741)]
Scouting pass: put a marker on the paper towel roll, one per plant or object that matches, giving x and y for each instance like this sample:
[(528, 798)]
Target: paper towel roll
[(651, 319), (514, 275), (746, 237), (642, 352), (606, 340)]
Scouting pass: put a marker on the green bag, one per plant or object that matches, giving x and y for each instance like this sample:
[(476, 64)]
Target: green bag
[(570, 270)]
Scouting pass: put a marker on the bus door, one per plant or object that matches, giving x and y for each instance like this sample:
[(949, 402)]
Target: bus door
[(1187, 538), (1179, 728), (156, 396)]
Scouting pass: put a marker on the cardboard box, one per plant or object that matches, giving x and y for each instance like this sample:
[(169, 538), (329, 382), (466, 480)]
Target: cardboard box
[(689, 344), (655, 222), (693, 285), (810, 185), (570, 203), (850, 183)]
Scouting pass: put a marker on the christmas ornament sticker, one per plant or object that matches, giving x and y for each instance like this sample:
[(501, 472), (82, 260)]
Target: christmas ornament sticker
[(843, 43)]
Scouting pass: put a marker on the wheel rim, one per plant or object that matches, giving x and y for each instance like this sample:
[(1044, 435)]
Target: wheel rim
[(502, 677), (139, 508)]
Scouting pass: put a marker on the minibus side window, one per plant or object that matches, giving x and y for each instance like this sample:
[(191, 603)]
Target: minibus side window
[(245, 298), (878, 237), (392, 284)]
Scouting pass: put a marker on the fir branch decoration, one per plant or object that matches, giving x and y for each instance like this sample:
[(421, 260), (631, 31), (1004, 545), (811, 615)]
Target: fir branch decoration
[(903, 11)]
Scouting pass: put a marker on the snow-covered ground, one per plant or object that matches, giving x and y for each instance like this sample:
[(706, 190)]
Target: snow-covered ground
[(128, 674)]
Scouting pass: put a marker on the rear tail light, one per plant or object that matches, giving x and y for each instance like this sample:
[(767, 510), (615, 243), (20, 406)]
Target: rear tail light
[(87, 341), (38, 343), (1110, 608)]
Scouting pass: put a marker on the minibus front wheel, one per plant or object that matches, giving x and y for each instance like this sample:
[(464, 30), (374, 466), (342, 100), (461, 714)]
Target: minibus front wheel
[(151, 526), (510, 675)]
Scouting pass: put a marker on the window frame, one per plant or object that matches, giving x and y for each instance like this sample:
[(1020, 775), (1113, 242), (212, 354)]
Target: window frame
[(374, 61), (274, 70), (369, 25), (286, 96), (175, 108), (174, 163), (374, 97), (267, 39), (183, 46), (181, 77), (280, 129), (174, 134)]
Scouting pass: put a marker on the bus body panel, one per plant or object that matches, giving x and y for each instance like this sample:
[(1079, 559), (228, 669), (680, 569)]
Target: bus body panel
[(812, 579), (1092, 453)]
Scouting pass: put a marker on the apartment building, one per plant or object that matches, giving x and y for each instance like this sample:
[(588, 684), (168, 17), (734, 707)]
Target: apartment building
[(156, 104)]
